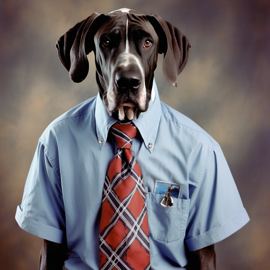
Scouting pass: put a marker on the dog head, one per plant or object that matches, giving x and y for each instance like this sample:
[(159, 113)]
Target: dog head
[(126, 44)]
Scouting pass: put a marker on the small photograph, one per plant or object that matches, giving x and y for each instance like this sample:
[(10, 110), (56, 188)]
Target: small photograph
[(162, 187)]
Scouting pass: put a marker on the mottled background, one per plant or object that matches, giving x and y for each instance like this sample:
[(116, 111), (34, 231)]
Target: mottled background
[(224, 88)]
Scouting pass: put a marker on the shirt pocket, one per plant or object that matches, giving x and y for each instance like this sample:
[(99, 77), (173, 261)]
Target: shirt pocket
[(167, 224)]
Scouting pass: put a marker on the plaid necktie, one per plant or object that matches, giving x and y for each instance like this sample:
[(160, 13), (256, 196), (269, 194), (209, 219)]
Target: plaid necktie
[(124, 232)]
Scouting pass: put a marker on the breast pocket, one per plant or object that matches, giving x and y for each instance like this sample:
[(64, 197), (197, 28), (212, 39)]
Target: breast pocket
[(166, 224)]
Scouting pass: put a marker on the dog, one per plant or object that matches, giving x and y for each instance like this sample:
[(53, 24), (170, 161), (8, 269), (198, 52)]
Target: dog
[(125, 57), (126, 44)]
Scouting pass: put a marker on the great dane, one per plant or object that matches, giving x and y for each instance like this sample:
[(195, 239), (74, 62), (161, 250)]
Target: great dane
[(126, 44)]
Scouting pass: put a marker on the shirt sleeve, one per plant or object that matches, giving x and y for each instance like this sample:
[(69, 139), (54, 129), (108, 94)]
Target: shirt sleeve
[(216, 209), (41, 212)]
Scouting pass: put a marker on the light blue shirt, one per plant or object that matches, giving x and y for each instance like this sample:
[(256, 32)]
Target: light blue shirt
[(63, 191)]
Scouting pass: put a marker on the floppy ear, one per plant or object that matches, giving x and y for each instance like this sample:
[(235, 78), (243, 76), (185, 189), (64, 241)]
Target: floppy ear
[(75, 44), (174, 45)]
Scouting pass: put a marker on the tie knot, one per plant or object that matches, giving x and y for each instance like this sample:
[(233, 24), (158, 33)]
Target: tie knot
[(124, 134)]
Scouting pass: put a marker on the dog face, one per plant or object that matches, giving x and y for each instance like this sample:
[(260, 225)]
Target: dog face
[(126, 50), (126, 44)]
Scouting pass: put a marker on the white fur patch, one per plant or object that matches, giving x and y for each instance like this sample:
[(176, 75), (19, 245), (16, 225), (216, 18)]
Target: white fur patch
[(124, 10), (111, 94), (127, 45)]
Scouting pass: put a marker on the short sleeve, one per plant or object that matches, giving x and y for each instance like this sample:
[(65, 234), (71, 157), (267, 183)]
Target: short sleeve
[(41, 212), (216, 209)]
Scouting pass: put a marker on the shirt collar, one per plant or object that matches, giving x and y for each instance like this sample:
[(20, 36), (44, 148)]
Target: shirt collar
[(147, 123)]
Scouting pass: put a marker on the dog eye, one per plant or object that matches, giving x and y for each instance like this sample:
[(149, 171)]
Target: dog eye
[(105, 43), (148, 43)]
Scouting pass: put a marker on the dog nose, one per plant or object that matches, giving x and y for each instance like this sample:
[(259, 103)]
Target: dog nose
[(127, 80)]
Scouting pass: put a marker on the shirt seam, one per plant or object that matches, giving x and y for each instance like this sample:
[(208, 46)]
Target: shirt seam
[(203, 169), (168, 117), (46, 150), (68, 118), (213, 142), (93, 99)]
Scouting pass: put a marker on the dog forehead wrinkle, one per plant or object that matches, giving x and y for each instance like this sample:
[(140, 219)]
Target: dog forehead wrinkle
[(113, 23), (141, 22)]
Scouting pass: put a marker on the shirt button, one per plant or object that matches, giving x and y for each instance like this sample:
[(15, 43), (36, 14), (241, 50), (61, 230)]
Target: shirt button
[(100, 140), (150, 145)]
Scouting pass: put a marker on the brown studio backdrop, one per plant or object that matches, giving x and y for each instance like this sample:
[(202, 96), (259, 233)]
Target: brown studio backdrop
[(224, 88)]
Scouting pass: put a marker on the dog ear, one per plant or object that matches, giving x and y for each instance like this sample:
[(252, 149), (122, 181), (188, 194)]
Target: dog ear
[(174, 45), (75, 44)]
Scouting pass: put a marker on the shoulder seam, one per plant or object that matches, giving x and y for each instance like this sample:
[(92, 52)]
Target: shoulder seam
[(75, 116), (168, 117), (67, 118), (203, 169), (46, 150)]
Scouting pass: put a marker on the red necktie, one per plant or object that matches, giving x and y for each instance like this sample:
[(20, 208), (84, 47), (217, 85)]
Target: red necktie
[(124, 231)]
